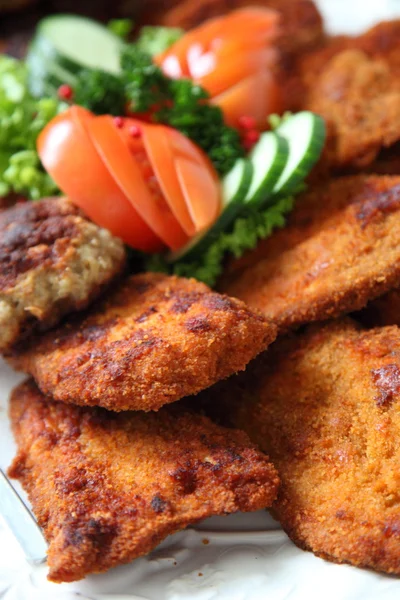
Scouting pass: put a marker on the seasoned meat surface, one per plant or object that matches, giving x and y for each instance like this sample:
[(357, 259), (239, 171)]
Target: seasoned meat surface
[(324, 405), (353, 82), (108, 487), (154, 340), (340, 249), (52, 261)]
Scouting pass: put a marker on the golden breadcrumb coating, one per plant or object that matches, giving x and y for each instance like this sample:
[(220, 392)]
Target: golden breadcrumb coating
[(354, 83), (52, 261), (324, 405), (340, 249), (154, 340), (108, 487)]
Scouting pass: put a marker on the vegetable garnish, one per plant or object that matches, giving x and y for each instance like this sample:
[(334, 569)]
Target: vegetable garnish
[(233, 58), (109, 76), (151, 157), (256, 195), (147, 183), (22, 118)]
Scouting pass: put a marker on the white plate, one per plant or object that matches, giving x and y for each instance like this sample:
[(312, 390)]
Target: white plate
[(242, 557)]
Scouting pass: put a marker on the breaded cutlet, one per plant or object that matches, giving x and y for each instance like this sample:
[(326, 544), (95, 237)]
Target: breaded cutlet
[(353, 83), (52, 261), (152, 341), (107, 487), (340, 249), (324, 405)]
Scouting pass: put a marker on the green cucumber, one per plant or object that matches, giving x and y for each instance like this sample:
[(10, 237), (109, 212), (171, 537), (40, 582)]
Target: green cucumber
[(268, 158), (235, 185), (74, 43), (305, 133)]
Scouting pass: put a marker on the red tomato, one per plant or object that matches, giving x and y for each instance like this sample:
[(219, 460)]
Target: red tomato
[(132, 171), (257, 96), (224, 52), (198, 179), (156, 141), (69, 156)]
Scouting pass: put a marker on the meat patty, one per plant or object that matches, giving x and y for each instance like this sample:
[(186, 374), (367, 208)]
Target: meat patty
[(154, 340), (325, 405), (340, 249), (107, 487), (52, 261)]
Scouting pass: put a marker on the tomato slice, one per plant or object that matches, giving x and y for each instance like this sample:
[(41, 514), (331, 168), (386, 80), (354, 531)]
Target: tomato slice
[(243, 65), (69, 156), (159, 150), (258, 96), (201, 53), (136, 179), (198, 178)]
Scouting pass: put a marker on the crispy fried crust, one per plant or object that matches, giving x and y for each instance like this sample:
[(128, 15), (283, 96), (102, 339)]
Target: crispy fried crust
[(360, 102), (340, 249), (325, 406), (354, 84), (52, 261), (153, 341), (107, 487)]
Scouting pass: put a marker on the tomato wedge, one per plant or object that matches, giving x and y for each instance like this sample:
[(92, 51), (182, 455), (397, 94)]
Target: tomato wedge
[(145, 196), (202, 187), (258, 96), (243, 65), (197, 184), (69, 156), (157, 144), (225, 55), (202, 209)]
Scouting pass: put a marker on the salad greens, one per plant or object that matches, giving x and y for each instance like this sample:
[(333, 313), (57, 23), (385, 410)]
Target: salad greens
[(247, 231), (22, 118)]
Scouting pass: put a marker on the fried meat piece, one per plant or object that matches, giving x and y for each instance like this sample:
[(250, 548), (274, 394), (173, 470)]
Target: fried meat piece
[(340, 249), (108, 487), (324, 405), (360, 101), (52, 261), (354, 84), (154, 340)]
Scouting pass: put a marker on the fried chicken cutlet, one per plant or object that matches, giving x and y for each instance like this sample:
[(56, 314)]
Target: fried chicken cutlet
[(52, 261), (353, 83), (107, 487), (324, 405), (154, 340), (340, 249)]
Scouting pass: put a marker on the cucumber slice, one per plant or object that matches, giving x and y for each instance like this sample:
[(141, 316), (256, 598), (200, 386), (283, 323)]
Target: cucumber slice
[(235, 185), (268, 158), (305, 133), (75, 42)]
